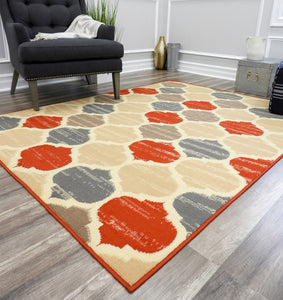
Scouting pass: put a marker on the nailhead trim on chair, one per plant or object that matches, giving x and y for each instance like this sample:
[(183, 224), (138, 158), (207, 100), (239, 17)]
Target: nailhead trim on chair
[(71, 75)]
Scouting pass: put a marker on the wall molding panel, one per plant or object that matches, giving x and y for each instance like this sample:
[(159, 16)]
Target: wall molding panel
[(4, 42), (274, 46), (260, 17), (169, 5), (277, 14), (157, 5), (136, 27)]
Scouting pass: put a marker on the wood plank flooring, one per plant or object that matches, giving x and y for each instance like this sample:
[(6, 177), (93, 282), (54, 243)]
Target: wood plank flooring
[(238, 256)]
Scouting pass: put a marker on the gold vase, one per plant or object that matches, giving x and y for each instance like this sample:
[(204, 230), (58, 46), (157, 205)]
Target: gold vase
[(160, 54)]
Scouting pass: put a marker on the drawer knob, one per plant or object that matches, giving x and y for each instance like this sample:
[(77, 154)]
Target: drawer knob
[(250, 78)]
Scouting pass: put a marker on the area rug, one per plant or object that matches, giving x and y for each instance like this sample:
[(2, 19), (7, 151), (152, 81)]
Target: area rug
[(135, 179)]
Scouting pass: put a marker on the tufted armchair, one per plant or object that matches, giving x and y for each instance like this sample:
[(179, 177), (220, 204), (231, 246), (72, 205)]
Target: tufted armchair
[(42, 59)]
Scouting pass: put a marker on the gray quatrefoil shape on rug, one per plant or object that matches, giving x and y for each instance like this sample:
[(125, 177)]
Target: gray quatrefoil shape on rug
[(83, 184), (196, 208), (204, 149), (7, 123), (68, 136)]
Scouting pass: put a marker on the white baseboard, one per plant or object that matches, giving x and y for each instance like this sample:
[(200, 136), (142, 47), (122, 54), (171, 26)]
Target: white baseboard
[(6, 81), (128, 66), (138, 65), (134, 66), (208, 70)]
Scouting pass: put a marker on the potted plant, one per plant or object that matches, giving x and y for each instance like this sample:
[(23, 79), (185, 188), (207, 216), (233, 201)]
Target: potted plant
[(103, 11)]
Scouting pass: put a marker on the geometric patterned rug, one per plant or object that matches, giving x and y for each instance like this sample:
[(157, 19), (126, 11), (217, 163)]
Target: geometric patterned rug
[(135, 179)]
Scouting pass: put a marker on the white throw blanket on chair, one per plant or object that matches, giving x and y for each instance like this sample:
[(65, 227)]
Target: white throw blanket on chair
[(83, 26)]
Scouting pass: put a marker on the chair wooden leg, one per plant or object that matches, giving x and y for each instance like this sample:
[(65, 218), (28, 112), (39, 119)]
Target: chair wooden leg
[(14, 82), (34, 94), (116, 84), (91, 79)]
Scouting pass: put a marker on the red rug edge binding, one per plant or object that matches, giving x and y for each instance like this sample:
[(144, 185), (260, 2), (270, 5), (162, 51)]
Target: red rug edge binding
[(133, 287), (197, 231)]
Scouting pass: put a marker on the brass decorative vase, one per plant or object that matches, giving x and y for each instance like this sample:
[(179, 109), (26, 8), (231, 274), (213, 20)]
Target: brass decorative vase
[(160, 54)]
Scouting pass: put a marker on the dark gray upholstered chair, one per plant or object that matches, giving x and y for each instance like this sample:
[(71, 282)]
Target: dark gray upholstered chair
[(35, 60)]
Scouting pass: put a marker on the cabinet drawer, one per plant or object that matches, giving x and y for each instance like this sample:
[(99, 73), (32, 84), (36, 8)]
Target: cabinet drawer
[(256, 77), (253, 80)]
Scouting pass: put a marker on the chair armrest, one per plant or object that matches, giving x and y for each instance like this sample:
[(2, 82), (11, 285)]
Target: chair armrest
[(106, 32), (17, 32)]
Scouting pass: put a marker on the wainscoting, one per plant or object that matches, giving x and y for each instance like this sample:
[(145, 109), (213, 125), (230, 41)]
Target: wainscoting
[(211, 43)]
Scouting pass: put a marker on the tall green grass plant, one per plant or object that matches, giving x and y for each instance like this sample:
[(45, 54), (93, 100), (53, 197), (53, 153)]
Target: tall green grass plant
[(103, 11)]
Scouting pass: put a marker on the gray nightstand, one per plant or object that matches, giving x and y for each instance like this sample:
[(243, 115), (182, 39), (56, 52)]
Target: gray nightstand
[(256, 77)]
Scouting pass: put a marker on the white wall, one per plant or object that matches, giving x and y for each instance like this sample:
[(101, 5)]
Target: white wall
[(212, 34), (137, 21)]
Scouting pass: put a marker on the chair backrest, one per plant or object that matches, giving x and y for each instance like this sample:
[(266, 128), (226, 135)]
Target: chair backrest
[(44, 15)]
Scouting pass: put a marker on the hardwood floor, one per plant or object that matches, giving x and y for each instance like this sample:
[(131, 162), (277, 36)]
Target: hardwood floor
[(238, 256)]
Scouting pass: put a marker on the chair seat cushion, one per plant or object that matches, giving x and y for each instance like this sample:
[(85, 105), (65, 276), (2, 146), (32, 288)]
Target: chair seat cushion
[(61, 50)]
